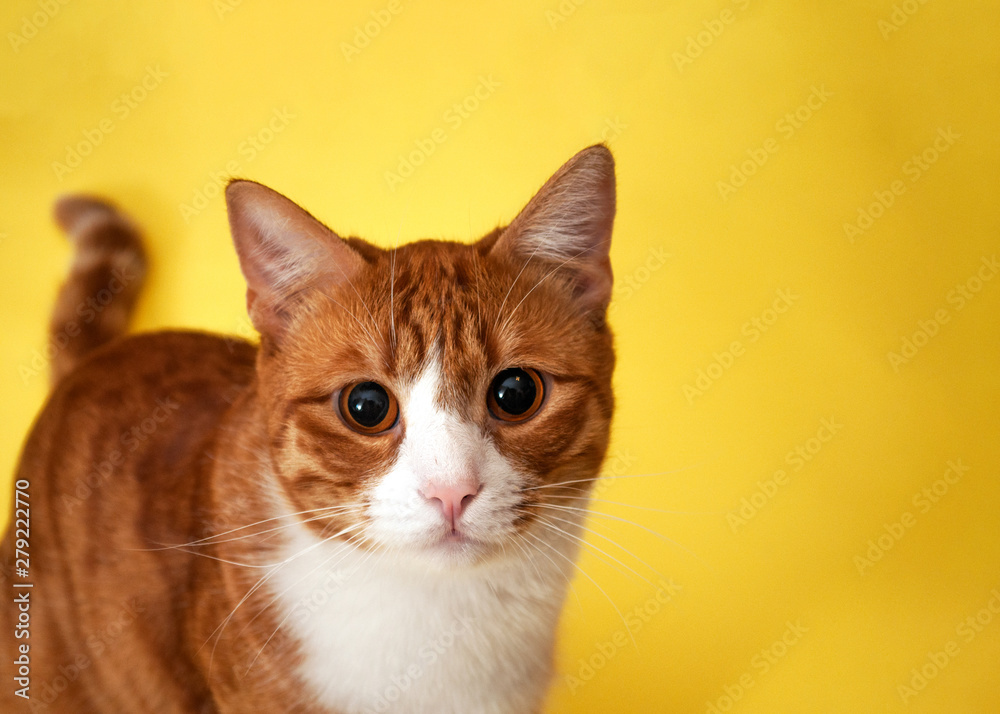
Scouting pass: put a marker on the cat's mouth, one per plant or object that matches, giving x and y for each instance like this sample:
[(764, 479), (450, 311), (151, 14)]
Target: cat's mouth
[(457, 547), (456, 539)]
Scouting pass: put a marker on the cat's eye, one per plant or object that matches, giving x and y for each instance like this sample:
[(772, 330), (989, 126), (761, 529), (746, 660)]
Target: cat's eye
[(515, 394), (368, 407)]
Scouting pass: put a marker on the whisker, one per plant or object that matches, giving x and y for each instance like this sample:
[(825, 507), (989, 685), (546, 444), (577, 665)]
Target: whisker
[(522, 545), (260, 582), (342, 553), (211, 540), (332, 511), (584, 541), (513, 283), (361, 324), (361, 299), (632, 505), (358, 568), (586, 575), (232, 613), (609, 478), (540, 281), (631, 523), (224, 560)]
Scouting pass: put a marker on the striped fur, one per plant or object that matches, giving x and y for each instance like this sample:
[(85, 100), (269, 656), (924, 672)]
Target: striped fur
[(99, 294), (208, 535)]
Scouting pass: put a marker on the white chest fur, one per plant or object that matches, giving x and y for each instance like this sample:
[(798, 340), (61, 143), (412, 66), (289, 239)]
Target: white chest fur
[(379, 636)]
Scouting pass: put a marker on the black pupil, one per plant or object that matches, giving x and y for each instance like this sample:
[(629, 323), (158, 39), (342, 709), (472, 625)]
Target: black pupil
[(514, 391), (368, 403)]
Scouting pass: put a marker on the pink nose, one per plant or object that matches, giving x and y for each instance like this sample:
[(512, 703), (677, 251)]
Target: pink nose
[(452, 498)]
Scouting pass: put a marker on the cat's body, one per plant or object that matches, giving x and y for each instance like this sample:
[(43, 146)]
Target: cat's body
[(222, 528)]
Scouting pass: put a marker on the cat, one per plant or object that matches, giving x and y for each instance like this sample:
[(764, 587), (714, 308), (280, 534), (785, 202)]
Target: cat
[(376, 509)]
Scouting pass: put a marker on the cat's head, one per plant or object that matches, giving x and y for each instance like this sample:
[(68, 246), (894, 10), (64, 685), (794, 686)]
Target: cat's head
[(448, 402)]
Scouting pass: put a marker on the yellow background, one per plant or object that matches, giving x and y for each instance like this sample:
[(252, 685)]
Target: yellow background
[(682, 92)]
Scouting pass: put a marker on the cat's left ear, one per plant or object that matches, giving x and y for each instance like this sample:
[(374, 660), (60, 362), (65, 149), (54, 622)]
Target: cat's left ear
[(568, 225), (283, 252)]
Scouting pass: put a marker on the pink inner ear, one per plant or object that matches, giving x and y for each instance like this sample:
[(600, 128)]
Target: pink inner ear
[(282, 250), (568, 223)]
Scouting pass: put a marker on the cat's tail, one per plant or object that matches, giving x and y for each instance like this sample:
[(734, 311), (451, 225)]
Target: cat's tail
[(104, 281)]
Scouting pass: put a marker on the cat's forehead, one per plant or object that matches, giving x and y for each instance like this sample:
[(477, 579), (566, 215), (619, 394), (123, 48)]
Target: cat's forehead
[(432, 268), (440, 299), (459, 306)]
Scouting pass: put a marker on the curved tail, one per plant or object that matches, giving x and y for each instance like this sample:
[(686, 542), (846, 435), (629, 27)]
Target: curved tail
[(98, 297)]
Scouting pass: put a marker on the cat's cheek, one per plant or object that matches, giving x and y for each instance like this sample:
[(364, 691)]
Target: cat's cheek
[(563, 434)]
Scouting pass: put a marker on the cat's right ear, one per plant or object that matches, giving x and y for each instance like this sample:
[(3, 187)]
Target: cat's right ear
[(283, 251)]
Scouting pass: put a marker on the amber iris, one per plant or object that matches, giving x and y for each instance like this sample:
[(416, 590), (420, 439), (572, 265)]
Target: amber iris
[(515, 394), (368, 407)]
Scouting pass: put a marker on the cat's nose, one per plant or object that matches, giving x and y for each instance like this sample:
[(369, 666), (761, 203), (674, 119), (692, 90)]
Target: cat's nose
[(452, 498)]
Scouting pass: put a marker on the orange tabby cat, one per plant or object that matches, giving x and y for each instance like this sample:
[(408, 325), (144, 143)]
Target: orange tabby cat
[(375, 510)]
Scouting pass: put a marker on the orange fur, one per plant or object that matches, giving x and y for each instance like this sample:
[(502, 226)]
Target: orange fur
[(177, 438)]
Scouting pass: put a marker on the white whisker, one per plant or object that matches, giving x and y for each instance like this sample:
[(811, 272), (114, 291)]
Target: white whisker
[(211, 540), (516, 278), (522, 544), (631, 523), (632, 505), (260, 582), (603, 552), (540, 281), (609, 478), (584, 573), (342, 553), (371, 337)]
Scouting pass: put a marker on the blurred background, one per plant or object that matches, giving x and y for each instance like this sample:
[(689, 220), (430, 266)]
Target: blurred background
[(801, 504)]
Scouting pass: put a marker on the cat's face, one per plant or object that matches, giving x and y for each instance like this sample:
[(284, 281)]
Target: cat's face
[(445, 401)]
